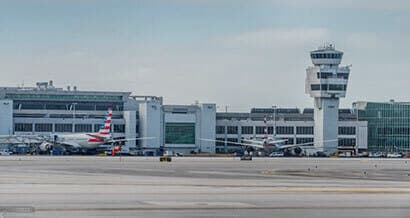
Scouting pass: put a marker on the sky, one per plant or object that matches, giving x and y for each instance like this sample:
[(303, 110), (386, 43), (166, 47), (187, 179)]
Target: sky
[(238, 54)]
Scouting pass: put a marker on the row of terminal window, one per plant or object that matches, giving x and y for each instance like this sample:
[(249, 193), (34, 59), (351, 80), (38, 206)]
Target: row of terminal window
[(325, 75), (281, 130), (62, 127), (341, 142), (258, 129), (65, 116), (290, 141), (66, 106), (326, 55), (394, 131), (328, 87)]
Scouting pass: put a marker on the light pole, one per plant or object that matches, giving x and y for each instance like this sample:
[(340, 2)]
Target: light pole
[(274, 121)]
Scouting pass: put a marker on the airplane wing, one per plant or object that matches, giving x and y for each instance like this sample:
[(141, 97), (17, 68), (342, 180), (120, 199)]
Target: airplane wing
[(278, 141), (253, 141), (130, 139), (20, 138), (236, 143), (302, 144), (72, 144), (96, 135), (67, 145), (261, 142)]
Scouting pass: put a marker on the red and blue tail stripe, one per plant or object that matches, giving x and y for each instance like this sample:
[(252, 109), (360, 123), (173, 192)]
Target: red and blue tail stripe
[(105, 129)]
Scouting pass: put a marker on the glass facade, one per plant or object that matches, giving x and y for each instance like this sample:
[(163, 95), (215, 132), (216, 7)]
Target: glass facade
[(304, 130), (43, 127), (286, 130), (388, 126), (304, 140), (66, 105), (247, 129), (326, 55), (232, 130), (23, 127), (63, 127), (119, 128), (83, 127), (57, 97), (347, 130), (328, 87), (260, 130), (180, 133), (347, 142), (220, 129)]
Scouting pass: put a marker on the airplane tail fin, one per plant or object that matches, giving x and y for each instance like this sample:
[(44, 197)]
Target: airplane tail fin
[(265, 129), (105, 128)]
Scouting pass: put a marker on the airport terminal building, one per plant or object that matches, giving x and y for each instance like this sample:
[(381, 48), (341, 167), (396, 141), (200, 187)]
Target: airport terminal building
[(46, 110), (388, 125), (293, 124)]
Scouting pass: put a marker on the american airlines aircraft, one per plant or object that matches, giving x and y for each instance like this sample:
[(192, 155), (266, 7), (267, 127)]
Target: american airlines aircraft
[(84, 141)]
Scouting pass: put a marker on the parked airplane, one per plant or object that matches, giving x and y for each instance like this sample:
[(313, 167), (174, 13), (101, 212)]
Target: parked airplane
[(84, 141), (271, 142)]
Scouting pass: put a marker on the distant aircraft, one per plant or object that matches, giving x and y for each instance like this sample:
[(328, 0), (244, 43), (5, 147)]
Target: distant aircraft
[(84, 141), (270, 142)]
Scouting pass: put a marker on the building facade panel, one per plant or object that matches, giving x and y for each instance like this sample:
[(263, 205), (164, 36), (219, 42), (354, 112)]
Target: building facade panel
[(388, 125)]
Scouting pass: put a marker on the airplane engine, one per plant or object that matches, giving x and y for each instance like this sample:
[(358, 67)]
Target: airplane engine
[(298, 150), (46, 146)]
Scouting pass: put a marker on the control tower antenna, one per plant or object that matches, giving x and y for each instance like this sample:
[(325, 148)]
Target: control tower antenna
[(326, 83)]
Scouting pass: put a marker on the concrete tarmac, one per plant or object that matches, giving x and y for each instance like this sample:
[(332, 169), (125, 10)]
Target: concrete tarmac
[(86, 186)]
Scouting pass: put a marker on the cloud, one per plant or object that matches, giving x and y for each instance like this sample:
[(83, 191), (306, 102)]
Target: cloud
[(378, 5), (278, 37), (373, 5)]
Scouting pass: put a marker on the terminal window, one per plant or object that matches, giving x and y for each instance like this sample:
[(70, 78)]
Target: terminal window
[(220, 129), (235, 140), (180, 133), (347, 130), (97, 127), (350, 142), (304, 130), (307, 141), (260, 130), (83, 128), (285, 130), (119, 128), (23, 127), (220, 142), (290, 141), (43, 127), (63, 127), (247, 129), (232, 130)]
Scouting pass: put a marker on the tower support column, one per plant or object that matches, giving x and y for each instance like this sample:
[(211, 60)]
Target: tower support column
[(326, 116)]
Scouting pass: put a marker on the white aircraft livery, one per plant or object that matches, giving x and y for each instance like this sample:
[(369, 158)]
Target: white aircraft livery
[(83, 141)]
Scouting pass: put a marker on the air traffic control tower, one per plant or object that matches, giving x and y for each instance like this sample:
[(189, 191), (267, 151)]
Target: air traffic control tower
[(326, 82)]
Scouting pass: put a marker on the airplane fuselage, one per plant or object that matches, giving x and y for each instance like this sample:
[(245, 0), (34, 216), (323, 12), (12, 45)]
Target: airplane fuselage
[(79, 141)]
